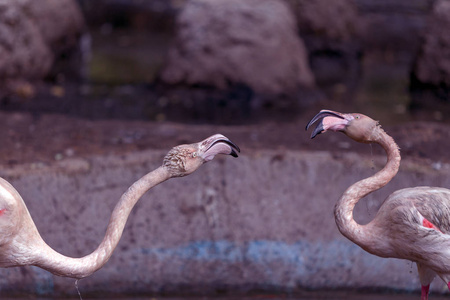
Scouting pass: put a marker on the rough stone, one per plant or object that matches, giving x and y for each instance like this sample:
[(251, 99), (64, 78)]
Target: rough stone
[(393, 25), (33, 34), (330, 30), (59, 21), (250, 42), (335, 20), (23, 51), (433, 63)]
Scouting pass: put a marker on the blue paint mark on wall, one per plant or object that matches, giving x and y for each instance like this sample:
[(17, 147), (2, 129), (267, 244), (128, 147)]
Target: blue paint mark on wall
[(300, 259), (258, 251), (44, 284)]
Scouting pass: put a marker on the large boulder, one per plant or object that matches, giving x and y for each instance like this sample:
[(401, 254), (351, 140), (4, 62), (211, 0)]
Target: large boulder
[(33, 34), (335, 20), (330, 30), (253, 42), (23, 51), (393, 25), (433, 63), (59, 21)]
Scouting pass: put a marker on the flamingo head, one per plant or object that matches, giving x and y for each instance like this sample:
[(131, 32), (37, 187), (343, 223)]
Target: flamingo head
[(184, 159), (357, 126)]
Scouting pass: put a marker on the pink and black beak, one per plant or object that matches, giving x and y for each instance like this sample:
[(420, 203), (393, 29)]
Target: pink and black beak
[(217, 144), (321, 127), (233, 148)]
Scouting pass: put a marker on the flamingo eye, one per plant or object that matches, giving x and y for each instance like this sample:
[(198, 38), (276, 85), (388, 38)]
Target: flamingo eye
[(194, 154), (357, 117)]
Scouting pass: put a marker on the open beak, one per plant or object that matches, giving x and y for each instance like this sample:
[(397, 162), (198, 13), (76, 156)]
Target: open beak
[(218, 144), (339, 122)]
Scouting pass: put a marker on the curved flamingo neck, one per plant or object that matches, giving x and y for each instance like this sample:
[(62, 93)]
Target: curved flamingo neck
[(344, 207), (61, 265)]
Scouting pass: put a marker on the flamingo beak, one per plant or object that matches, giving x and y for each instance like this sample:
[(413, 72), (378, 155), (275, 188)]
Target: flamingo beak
[(339, 122), (218, 144), (234, 149)]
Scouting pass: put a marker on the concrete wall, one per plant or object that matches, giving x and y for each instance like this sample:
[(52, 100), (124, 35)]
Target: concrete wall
[(262, 221)]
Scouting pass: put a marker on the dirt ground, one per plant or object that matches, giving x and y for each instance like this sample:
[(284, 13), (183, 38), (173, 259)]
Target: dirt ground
[(60, 122)]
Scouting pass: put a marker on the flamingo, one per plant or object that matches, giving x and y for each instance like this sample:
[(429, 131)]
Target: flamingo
[(21, 243), (412, 223)]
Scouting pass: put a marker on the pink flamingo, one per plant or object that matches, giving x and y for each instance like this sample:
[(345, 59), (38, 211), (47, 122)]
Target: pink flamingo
[(21, 244), (412, 223)]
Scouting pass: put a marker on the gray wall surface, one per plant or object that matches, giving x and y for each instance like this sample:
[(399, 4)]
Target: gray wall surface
[(261, 221)]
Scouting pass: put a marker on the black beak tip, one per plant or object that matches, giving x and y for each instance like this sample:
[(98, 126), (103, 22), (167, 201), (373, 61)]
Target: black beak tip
[(237, 148), (234, 148), (232, 145), (314, 134), (318, 130), (322, 114)]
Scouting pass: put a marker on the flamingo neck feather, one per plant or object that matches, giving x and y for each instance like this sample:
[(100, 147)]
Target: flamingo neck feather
[(344, 207), (61, 265)]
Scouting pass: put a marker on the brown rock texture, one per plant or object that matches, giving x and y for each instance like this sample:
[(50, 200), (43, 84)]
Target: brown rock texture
[(57, 20), (393, 25), (23, 51), (433, 63), (252, 42), (33, 33), (336, 20), (330, 30)]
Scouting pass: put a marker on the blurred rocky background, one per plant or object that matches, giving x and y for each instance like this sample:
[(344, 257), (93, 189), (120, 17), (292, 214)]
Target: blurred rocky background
[(224, 61)]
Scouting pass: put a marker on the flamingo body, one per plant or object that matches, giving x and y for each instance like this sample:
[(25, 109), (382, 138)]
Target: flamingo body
[(416, 222), (412, 223)]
